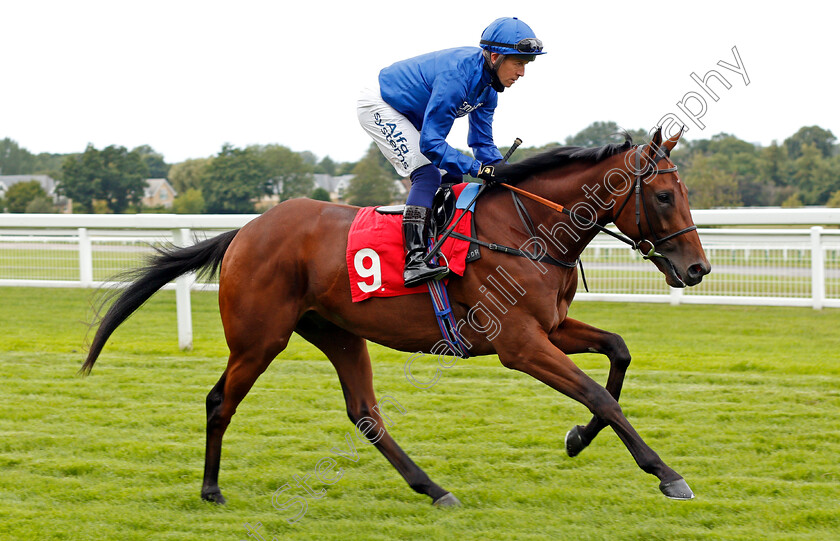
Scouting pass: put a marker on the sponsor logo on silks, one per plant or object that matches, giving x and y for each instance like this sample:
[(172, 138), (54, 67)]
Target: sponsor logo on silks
[(466, 108), (396, 140)]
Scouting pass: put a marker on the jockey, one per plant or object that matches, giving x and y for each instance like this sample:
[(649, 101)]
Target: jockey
[(410, 112)]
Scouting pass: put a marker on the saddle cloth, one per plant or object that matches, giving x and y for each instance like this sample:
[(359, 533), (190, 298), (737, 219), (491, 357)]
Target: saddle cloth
[(376, 256)]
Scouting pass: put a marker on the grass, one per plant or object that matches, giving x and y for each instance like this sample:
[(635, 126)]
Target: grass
[(742, 401)]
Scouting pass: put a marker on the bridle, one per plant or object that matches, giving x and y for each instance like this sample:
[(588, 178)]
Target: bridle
[(659, 155), (640, 175)]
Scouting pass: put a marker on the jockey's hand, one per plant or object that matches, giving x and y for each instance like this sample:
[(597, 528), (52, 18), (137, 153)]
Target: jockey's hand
[(487, 173)]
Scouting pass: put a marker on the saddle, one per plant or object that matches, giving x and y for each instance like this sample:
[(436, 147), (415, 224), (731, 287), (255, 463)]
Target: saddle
[(443, 209)]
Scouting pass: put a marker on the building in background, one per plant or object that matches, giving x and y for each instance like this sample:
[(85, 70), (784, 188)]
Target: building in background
[(158, 193)]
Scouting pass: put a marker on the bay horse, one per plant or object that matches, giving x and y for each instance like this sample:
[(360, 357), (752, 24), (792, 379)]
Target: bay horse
[(286, 272)]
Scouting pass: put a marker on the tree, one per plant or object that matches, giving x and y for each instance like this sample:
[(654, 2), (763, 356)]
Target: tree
[(22, 193), (812, 176), (372, 184), (235, 178), (822, 139), (188, 174), (40, 205), (326, 166), (834, 200), (711, 187), (289, 173), (320, 194), (602, 133), (15, 160), (345, 168), (773, 164), (158, 168), (308, 158), (792, 202), (189, 202), (113, 175)]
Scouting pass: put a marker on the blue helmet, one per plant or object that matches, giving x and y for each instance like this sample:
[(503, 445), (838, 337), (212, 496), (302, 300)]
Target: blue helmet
[(509, 35)]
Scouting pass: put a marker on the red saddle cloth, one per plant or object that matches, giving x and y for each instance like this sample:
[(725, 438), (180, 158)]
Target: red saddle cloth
[(376, 256)]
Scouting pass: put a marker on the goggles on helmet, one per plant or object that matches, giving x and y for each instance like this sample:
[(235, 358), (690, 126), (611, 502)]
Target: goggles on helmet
[(525, 46)]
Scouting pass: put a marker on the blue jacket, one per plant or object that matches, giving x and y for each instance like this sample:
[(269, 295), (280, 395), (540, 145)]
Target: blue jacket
[(434, 89)]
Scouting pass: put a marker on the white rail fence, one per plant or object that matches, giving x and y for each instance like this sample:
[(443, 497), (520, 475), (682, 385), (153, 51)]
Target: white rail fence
[(795, 266)]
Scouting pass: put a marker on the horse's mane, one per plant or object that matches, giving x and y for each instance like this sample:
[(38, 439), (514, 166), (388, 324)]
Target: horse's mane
[(559, 156)]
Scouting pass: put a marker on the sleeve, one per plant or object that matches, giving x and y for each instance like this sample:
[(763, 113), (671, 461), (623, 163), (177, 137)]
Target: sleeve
[(448, 94), (480, 137)]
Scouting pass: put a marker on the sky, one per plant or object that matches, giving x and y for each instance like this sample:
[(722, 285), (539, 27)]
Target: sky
[(186, 77)]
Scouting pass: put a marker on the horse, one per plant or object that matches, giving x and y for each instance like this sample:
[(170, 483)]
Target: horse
[(286, 271)]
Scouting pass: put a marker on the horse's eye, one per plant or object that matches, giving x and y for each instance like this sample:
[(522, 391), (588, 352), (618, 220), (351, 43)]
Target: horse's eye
[(663, 197)]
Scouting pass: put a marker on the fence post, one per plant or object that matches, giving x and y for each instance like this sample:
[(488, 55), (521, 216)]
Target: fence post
[(676, 295), (85, 258), (817, 269), (183, 284)]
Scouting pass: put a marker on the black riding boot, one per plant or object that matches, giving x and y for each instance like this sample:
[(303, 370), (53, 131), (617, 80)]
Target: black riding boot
[(415, 228)]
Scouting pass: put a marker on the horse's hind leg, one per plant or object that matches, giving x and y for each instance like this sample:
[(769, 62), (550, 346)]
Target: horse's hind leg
[(573, 336), (349, 354), (252, 348)]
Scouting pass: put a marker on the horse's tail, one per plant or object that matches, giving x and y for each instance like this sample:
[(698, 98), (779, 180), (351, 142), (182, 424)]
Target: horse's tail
[(169, 263)]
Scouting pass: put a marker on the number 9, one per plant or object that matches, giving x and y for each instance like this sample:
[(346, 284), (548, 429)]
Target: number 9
[(374, 270)]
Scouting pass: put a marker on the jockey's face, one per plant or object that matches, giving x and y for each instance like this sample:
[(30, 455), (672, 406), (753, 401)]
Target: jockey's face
[(511, 69)]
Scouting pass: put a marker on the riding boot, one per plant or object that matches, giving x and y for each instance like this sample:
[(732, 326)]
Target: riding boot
[(415, 228)]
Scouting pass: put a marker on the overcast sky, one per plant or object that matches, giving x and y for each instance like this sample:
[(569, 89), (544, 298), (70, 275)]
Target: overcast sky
[(186, 77)]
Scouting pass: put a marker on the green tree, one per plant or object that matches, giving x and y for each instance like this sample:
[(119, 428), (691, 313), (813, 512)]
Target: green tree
[(308, 158), (792, 202), (326, 166), (113, 175), (320, 194), (773, 164), (188, 174), (158, 168), (235, 179), (15, 160), (834, 200), (603, 133), (190, 201), (372, 184), (731, 156), (48, 164), (21, 194), (40, 205), (289, 173), (822, 139), (710, 187), (812, 176), (345, 168)]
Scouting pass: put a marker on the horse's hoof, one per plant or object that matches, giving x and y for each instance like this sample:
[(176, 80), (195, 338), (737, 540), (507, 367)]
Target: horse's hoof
[(574, 441), (215, 497), (677, 490), (447, 500)]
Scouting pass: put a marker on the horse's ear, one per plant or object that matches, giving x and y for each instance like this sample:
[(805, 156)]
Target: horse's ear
[(655, 143), (672, 142)]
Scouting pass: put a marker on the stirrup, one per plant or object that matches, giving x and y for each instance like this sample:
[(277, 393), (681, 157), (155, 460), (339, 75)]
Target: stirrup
[(423, 276)]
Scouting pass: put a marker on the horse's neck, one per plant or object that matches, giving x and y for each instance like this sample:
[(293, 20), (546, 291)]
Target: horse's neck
[(581, 189)]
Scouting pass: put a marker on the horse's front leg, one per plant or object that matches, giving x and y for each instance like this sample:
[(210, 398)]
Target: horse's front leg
[(534, 354), (572, 337)]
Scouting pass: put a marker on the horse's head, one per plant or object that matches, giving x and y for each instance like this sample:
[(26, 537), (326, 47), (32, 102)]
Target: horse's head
[(655, 213)]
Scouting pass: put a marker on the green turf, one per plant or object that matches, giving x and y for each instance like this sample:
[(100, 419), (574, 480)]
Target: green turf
[(742, 401)]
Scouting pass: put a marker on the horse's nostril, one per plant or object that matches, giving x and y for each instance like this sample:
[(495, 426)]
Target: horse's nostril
[(697, 270)]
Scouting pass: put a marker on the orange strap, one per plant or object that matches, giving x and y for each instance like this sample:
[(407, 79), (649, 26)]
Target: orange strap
[(537, 198)]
